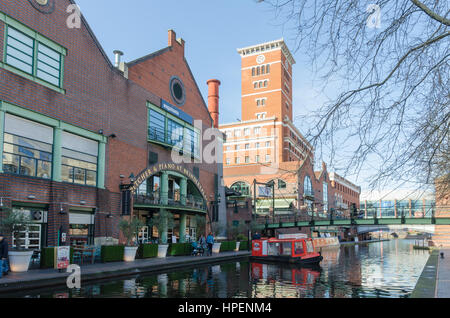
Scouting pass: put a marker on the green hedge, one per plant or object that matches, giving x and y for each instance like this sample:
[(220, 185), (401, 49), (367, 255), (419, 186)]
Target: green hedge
[(180, 249), (243, 246), (48, 257), (147, 251), (112, 253), (228, 246)]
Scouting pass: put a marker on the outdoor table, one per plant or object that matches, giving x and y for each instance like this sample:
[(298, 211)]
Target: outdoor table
[(85, 250)]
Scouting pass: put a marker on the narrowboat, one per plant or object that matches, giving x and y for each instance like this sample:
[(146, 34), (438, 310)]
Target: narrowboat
[(299, 251)]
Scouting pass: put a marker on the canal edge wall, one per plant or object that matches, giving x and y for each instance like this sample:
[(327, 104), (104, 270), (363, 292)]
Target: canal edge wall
[(426, 285), (98, 272)]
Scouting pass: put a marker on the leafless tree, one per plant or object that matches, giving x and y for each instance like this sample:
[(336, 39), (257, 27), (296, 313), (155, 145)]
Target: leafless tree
[(393, 81)]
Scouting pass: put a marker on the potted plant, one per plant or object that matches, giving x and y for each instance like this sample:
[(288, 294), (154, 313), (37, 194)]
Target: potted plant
[(12, 225), (129, 229), (163, 221)]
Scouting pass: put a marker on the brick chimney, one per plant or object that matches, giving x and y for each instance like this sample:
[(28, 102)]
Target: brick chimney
[(213, 100), (176, 44)]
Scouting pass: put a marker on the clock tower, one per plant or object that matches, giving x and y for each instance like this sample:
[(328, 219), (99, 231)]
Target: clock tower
[(266, 81)]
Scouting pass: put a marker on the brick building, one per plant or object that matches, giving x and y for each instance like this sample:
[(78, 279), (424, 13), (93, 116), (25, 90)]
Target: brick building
[(85, 142), (266, 147)]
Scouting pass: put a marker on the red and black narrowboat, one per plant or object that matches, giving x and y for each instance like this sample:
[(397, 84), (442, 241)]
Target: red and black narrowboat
[(295, 251)]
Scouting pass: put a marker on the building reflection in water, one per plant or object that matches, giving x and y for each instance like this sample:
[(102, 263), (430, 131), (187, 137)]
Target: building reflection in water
[(389, 269)]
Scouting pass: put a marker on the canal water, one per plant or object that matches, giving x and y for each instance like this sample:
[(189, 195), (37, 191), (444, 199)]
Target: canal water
[(388, 269)]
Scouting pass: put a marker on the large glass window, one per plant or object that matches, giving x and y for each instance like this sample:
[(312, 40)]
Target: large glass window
[(156, 127), (27, 148), (307, 187), (174, 133), (166, 129), (241, 187), (79, 160), (32, 57)]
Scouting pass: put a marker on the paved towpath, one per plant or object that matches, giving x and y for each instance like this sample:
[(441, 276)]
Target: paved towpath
[(49, 277), (443, 275)]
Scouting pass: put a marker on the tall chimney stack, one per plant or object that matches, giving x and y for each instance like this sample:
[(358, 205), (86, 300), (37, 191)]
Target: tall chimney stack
[(213, 100)]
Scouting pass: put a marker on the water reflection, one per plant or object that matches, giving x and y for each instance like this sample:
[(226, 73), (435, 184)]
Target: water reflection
[(388, 269)]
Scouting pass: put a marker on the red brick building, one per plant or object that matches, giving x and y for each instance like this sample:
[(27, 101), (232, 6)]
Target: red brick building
[(84, 142), (266, 146)]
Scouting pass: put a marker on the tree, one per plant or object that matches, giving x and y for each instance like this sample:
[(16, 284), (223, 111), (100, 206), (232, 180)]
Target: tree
[(12, 224), (163, 221), (130, 228), (393, 82)]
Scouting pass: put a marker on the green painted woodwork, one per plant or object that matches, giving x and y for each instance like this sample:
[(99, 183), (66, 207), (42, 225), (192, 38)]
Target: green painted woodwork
[(58, 127), (57, 154), (164, 188), (2, 122), (183, 190), (183, 219)]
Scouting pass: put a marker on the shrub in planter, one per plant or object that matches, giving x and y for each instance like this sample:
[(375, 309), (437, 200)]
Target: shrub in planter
[(148, 251), (243, 246), (11, 225), (180, 249), (228, 246), (129, 229), (112, 253)]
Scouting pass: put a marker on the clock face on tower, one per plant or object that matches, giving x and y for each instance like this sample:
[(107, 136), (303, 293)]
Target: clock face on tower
[(260, 59)]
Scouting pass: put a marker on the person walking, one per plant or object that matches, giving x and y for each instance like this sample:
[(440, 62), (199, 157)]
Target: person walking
[(210, 242), (202, 244), (4, 268)]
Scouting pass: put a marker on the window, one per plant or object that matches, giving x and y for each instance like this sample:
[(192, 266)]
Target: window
[(247, 159), (266, 83), (268, 68), (27, 148), (257, 130), (253, 71), (79, 160), (268, 143), (247, 131), (228, 161), (241, 187), (237, 147), (247, 146), (281, 184), (237, 160), (156, 127), (257, 158), (29, 55), (268, 158), (257, 145), (237, 133), (164, 128), (307, 186), (299, 250), (174, 133)]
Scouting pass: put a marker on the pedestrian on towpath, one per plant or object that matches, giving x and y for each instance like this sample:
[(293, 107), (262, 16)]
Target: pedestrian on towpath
[(210, 242), (4, 268)]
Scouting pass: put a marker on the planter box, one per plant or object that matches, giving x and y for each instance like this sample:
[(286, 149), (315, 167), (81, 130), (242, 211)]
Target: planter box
[(216, 248), (129, 254), (19, 261), (162, 250)]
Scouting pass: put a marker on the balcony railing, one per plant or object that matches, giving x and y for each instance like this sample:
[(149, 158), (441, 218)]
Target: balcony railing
[(172, 200)]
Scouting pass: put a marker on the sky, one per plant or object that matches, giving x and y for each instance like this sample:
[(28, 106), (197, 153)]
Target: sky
[(213, 31)]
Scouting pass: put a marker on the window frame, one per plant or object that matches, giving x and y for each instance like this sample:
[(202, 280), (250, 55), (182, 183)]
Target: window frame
[(37, 39)]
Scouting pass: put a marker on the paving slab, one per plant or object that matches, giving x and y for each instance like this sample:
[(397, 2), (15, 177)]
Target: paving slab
[(443, 275)]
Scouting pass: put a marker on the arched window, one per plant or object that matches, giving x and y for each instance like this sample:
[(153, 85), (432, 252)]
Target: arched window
[(253, 71), (263, 69), (241, 187), (307, 187), (268, 68), (265, 83), (258, 70)]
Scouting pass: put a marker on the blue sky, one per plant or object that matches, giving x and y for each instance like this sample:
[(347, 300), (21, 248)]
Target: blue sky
[(213, 30)]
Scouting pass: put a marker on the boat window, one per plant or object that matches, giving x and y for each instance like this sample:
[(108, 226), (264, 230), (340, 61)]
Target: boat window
[(299, 250), (287, 248), (273, 249), (309, 247)]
